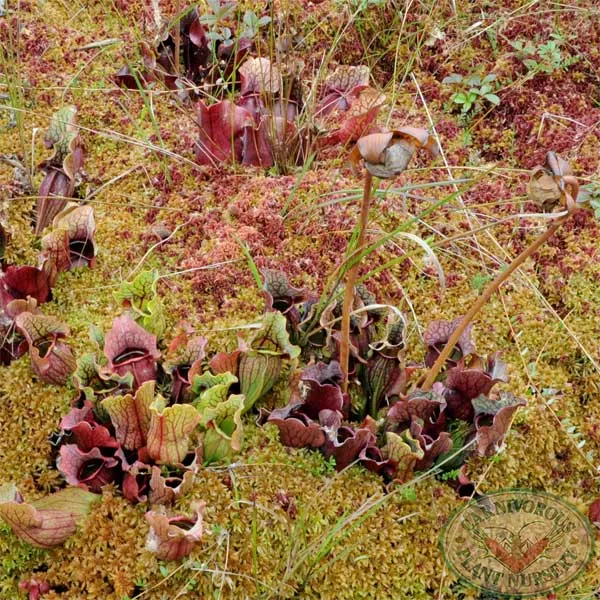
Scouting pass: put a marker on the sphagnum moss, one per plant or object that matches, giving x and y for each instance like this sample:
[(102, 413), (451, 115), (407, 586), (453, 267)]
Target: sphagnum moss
[(393, 554)]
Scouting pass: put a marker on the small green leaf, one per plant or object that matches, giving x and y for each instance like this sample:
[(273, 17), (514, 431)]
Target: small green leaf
[(531, 64), (141, 297), (211, 390), (170, 430), (273, 337), (224, 435), (492, 98), (454, 78), (258, 374)]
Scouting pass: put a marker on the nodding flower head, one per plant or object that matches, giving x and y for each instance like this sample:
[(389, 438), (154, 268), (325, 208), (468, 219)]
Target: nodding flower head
[(387, 154), (553, 184)]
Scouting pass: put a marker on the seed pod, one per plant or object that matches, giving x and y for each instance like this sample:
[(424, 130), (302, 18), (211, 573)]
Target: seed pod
[(387, 154), (550, 182)]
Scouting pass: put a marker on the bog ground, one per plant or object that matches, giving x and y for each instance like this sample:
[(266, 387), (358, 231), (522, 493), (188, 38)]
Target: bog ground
[(207, 199)]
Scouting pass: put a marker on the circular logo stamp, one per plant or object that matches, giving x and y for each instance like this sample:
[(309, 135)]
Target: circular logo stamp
[(517, 543)]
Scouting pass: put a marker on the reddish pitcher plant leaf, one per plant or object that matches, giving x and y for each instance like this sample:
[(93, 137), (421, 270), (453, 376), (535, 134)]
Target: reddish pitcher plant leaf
[(348, 105), (296, 430), (165, 490), (387, 155), (432, 447), (343, 442), (88, 435), (90, 470), (206, 59), (70, 244), (281, 296), (320, 390), (51, 358), (35, 587), (465, 487), (129, 348), (78, 414), (349, 126), (62, 166), (79, 223), (19, 283), (136, 483), (131, 415), (16, 307), (257, 143), (372, 458), (259, 76), (196, 50), (226, 362), (429, 407), (221, 129), (46, 522), (360, 322), (323, 373), (490, 436), (141, 75), (54, 191), (183, 362), (170, 432), (468, 381), (437, 335), (339, 85), (172, 538)]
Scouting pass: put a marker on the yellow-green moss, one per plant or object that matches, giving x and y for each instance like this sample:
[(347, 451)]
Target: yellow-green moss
[(253, 548)]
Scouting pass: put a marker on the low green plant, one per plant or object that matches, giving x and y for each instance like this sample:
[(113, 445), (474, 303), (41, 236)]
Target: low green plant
[(472, 91), (543, 58), (590, 194)]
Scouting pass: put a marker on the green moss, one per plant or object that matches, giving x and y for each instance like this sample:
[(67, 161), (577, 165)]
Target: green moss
[(253, 547), (17, 559)]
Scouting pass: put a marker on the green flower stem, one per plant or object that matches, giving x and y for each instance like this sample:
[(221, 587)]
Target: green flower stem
[(487, 294), (351, 280), (177, 36)]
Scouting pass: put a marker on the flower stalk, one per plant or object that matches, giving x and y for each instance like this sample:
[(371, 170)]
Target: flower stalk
[(384, 155), (351, 280), (177, 37), (567, 188)]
